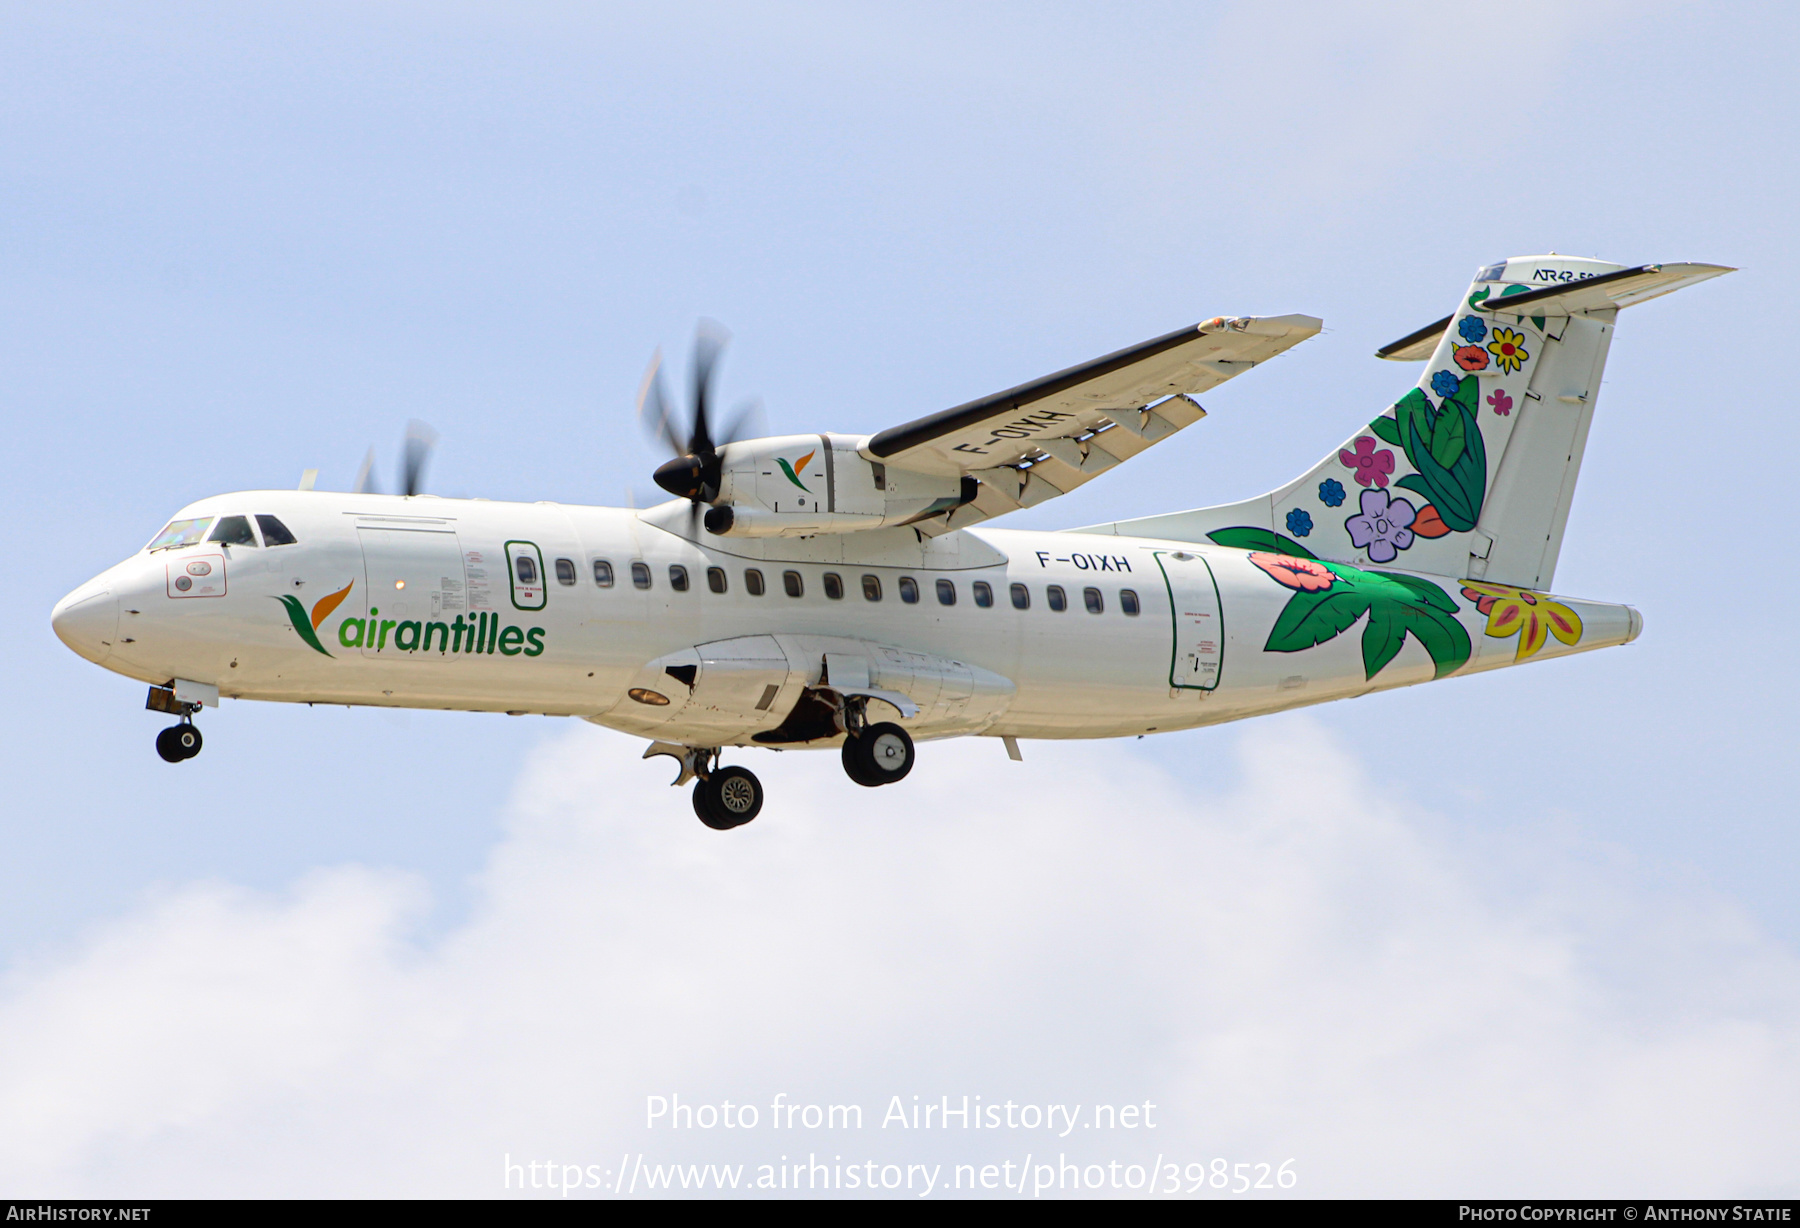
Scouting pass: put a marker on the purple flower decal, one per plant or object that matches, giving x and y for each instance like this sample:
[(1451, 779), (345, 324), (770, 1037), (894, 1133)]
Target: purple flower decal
[(1501, 402), (1384, 528)]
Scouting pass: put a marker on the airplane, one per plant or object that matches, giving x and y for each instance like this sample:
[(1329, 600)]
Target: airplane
[(829, 591)]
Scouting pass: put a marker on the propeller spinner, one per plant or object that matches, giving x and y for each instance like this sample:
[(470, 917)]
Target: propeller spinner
[(695, 471)]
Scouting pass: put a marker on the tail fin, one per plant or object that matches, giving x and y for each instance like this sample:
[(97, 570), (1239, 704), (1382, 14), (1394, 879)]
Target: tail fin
[(1471, 473)]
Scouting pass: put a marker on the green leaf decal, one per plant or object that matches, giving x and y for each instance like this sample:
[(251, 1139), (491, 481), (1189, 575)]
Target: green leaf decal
[(1439, 634), (1447, 439), (1456, 486), (1248, 537), (1397, 606), (1420, 590), (1313, 618), (302, 624), (1381, 640)]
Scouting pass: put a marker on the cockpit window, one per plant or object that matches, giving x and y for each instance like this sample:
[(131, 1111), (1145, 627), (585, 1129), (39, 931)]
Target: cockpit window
[(274, 532), (1493, 272), (233, 531), (180, 533)]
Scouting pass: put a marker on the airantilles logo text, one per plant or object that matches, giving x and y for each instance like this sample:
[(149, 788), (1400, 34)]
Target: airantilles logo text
[(478, 633)]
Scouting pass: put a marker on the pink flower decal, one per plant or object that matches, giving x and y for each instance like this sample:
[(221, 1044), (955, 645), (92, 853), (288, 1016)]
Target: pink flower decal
[(1471, 358), (1501, 402), (1303, 574), (1370, 465)]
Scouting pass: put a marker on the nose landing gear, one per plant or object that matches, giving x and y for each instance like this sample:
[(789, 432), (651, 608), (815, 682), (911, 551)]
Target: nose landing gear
[(177, 742)]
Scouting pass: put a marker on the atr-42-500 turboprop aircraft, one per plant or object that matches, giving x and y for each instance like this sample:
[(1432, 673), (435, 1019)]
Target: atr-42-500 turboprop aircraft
[(827, 590)]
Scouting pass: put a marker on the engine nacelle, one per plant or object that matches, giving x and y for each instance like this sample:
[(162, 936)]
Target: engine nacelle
[(799, 485)]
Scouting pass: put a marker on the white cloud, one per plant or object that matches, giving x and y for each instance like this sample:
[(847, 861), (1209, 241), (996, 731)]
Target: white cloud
[(1287, 961)]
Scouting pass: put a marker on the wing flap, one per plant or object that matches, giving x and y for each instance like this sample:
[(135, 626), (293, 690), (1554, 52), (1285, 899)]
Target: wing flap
[(1004, 428)]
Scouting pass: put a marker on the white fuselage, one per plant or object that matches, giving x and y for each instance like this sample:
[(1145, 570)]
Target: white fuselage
[(439, 615)]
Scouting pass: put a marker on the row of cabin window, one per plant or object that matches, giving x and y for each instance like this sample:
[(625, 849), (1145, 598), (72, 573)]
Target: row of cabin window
[(795, 586)]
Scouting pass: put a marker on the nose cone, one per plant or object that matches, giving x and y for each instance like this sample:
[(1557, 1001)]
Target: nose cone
[(87, 620)]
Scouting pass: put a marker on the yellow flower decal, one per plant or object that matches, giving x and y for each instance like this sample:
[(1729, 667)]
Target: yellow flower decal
[(1533, 617), (1508, 349)]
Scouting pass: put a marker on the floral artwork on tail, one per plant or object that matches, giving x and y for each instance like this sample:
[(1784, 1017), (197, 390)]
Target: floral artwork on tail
[(1533, 617), (1330, 598), (1444, 443)]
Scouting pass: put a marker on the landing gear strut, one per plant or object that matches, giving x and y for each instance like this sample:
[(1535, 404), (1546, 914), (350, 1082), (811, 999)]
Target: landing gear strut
[(724, 797)]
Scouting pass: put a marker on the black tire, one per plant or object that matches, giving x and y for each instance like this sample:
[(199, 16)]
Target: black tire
[(166, 747), (187, 740), (731, 797), (884, 755), (853, 764)]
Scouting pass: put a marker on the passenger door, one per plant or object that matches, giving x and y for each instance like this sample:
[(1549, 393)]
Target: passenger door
[(416, 590), (1197, 656)]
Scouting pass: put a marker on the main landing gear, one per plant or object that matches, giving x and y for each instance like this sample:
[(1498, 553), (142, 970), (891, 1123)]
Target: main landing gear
[(724, 797), (728, 797), (878, 754)]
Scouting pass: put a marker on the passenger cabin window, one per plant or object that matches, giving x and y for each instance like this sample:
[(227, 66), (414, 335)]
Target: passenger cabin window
[(909, 590), (526, 568), (274, 532), (715, 579), (1096, 604), (565, 572), (640, 575), (984, 594), (946, 591), (1059, 600), (834, 586), (871, 588), (233, 531), (180, 533), (753, 582), (678, 577), (791, 581), (1128, 601), (1021, 597), (603, 573)]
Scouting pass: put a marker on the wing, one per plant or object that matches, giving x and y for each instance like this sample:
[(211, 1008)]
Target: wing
[(1044, 438)]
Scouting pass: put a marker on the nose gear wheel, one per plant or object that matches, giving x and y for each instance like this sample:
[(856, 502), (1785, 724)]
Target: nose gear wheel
[(179, 742)]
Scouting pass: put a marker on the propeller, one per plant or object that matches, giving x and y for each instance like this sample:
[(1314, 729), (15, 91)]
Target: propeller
[(415, 453), (694, 473)]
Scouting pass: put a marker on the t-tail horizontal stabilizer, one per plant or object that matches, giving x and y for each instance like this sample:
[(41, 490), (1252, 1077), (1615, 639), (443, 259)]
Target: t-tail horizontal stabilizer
[(1472, 472)]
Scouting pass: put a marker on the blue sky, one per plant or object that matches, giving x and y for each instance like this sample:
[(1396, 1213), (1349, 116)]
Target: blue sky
[(237, 243)]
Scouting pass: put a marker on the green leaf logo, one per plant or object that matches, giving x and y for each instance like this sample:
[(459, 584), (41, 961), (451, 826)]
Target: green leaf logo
[(302, 624), (793, 477)]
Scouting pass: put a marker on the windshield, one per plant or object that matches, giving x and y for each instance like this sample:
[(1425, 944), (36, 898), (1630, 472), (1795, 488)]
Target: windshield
[(180, 533), (233, 531)]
